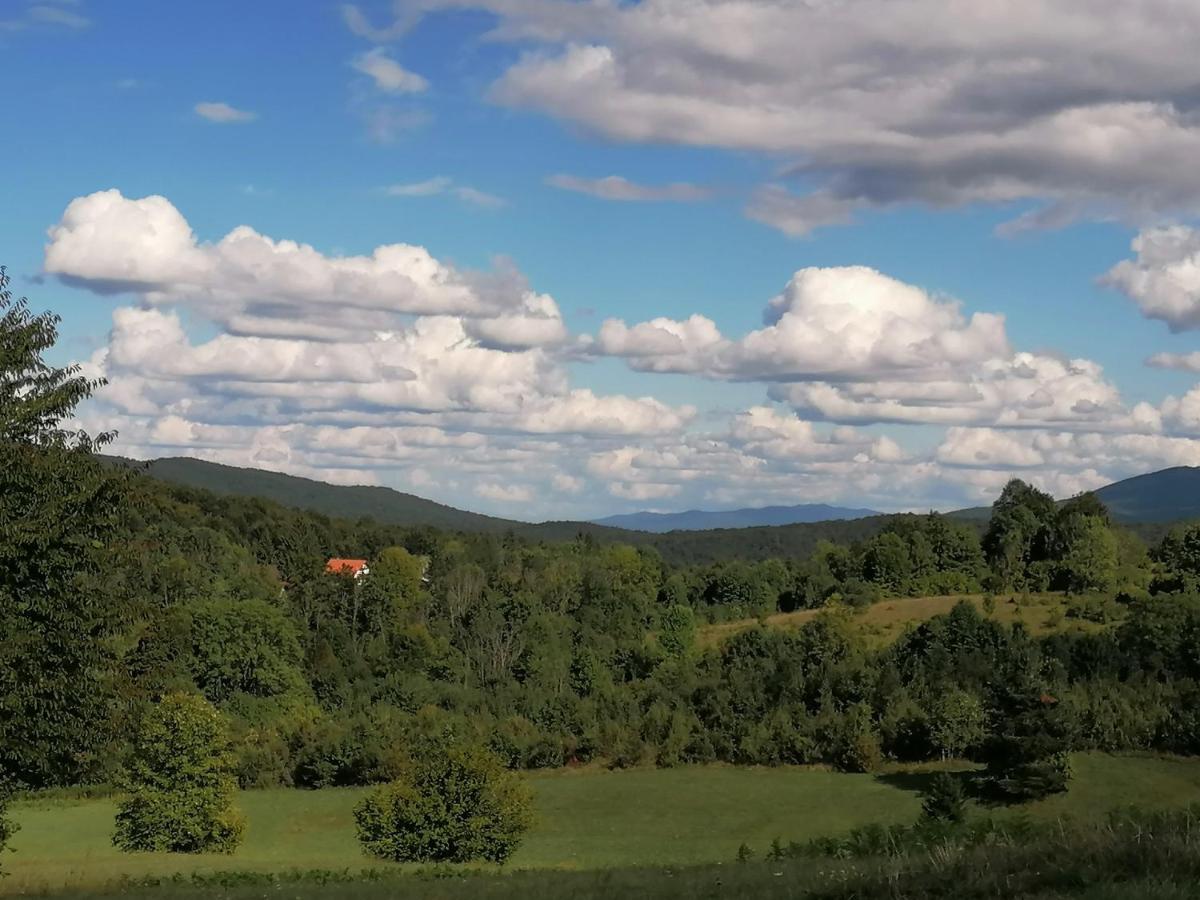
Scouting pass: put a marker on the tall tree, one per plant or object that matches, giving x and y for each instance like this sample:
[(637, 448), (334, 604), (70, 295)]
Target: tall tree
[(58, 507)]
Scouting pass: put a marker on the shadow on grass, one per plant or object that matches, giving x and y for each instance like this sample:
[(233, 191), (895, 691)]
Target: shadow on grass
[(919, 781)]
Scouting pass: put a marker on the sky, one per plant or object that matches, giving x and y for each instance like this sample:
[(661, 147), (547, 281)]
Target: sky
[(569, 258)]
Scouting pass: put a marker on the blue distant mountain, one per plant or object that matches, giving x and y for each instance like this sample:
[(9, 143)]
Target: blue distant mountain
[(702, 520)]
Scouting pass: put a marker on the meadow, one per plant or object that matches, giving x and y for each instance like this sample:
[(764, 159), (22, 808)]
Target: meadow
[(588, 819), (883, 622)]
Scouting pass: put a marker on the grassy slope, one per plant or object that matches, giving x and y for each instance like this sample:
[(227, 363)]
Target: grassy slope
[(587, 819), (883, 622)]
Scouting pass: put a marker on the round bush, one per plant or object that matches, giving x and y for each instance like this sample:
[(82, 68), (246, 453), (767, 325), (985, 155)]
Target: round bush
[(180, 782), (449, 805)]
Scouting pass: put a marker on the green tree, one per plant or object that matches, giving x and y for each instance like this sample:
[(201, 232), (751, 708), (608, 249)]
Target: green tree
[(179, 782), (677, 630), (453, 804), (944, 800), (1089, 557), (1018, 533), (58, 516), (956, 722), (243, 646), (1026, 749)]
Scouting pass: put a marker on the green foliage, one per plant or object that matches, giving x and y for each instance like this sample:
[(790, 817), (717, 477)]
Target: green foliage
[(944, 800), (450, 804), (243, 646), (677, 630), (179, 782), (957, 722), (59, 607), (744, 853), (1026, 752)]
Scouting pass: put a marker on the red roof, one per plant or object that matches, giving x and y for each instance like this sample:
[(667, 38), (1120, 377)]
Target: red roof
[(345, 566)]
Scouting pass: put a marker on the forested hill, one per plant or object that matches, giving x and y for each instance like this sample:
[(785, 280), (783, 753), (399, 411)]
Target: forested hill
[(1166, 496), (390, 507), (1145, 503), (1169, 495), (384, 505)]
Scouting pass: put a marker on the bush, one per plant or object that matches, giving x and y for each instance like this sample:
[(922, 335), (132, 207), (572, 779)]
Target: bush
[(180, 782), (945, 800), (449, 805)]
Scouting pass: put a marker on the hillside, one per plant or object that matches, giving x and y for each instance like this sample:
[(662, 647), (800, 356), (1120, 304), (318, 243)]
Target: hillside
[(1145, 503), (699, 519), (1165, 496), (352, 502)]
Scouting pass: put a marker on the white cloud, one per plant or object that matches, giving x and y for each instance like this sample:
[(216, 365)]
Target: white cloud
[(56, 15), (254, 285), (443, 185), (223, 113), (389, 76), (849, 323), (614, 187), (798, 215), (504, 493), (1000, 100), (427, 188), (1164, 280)]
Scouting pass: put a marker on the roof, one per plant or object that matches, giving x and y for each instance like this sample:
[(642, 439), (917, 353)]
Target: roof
[(345, 566)]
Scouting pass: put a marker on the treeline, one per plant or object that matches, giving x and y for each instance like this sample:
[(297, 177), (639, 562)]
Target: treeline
[(116, 590)]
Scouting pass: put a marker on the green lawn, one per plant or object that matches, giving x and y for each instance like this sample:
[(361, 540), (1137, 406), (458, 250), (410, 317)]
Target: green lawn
[(586, 819)]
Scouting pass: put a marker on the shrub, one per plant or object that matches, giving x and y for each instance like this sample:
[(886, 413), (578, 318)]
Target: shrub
[(180, 782), (945, 800), (449, 805)]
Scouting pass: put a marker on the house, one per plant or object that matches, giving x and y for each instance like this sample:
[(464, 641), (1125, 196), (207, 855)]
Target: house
[(356, 567)]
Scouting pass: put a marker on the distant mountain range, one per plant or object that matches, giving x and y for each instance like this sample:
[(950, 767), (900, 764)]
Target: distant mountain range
[(700, 520), (1146, 503)]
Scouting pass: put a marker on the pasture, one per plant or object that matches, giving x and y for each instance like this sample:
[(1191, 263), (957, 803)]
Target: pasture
[(883, 622), (587, 819)]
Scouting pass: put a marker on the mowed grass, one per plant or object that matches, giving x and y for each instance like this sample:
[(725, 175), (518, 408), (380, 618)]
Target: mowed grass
[(885, 621), (587, 819)]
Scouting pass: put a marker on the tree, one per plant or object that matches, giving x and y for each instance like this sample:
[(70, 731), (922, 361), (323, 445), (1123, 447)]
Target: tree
[(243, 646), (450, 804), (58, 514), (1018, 533), (677, 632), (956, 722), (1089, 556), (1026, 750), (945, 800), (179, 782)]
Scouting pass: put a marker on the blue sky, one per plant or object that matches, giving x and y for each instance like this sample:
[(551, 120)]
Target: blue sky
[(467, 112)]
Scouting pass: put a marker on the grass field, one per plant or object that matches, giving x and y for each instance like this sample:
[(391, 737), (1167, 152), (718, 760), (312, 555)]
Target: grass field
[(587, 819), (883, 622)]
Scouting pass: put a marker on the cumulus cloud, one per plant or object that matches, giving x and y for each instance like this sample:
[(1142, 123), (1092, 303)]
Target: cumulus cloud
[(614, 187), (223, 113), (255, 285), (387, 74), (1164, 280), (852, 323), (1001, 101)]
